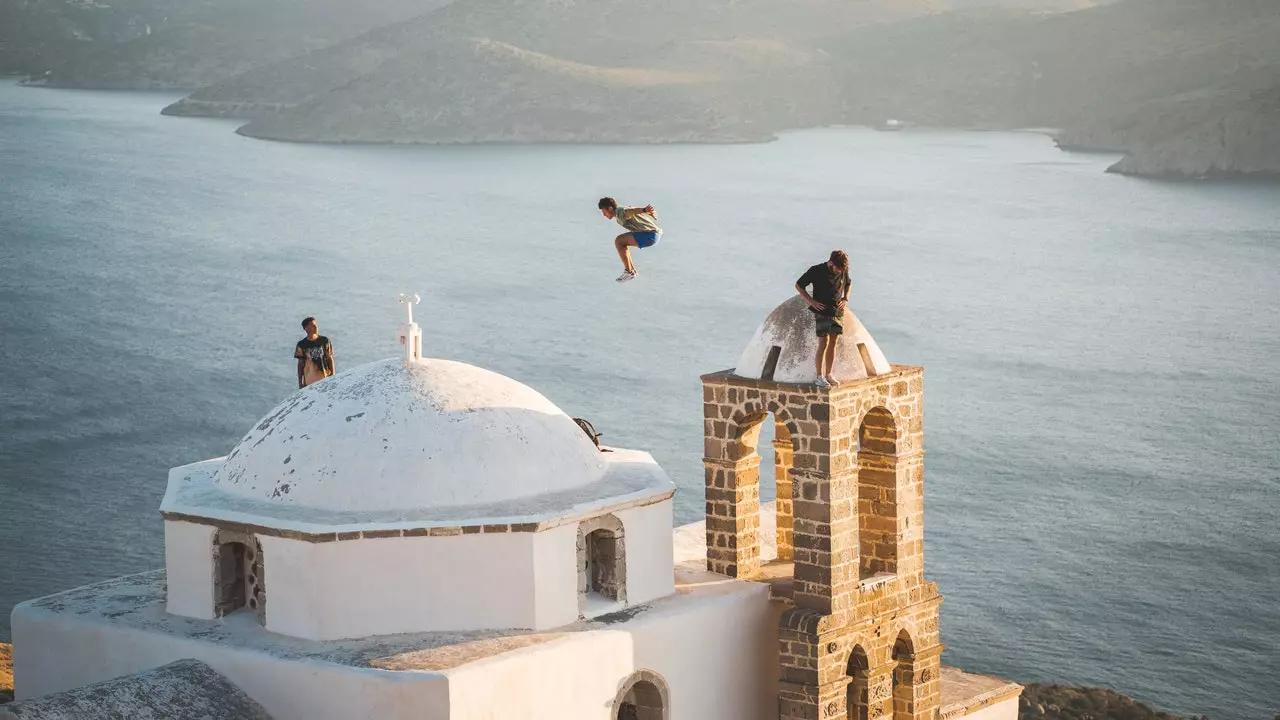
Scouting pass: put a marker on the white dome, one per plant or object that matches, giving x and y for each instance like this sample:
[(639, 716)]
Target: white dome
[(393, 435), (791, 328)]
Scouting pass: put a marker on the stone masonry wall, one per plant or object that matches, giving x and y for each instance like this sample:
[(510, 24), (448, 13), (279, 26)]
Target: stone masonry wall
[(855, 465)]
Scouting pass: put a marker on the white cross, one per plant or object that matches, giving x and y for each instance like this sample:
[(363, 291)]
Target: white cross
[(409, 300)]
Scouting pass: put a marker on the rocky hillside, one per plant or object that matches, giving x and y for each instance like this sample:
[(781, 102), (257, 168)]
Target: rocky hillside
[(542, 99), (1072, 702), (699, 36)]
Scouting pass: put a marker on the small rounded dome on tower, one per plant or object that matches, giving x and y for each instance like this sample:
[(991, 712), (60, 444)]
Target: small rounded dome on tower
[(784, 346), (395, 435)]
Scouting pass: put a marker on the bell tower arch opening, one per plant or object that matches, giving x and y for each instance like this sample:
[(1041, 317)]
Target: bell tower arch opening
[(905, 679), (877, 504), (856, 695)]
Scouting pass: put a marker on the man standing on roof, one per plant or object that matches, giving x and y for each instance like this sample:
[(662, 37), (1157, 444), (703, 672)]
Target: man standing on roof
[(642, 231), (315, 355), (830, 282)]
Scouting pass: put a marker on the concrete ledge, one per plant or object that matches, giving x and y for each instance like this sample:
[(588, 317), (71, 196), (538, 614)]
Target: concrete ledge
[(965, 693)]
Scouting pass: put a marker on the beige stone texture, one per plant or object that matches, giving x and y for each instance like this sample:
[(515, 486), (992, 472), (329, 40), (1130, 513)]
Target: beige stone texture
[(849, 465)]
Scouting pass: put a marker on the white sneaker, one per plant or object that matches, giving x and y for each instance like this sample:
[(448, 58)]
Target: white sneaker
[(626, 276), (822, 383)]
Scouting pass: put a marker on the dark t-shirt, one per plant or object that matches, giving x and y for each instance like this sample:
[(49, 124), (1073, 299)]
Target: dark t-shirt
[(317, 353), (829, 287)]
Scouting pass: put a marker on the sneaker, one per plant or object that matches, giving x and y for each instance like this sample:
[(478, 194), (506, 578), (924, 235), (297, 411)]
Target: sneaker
[(832, 381), (822, 383), (627, 276)]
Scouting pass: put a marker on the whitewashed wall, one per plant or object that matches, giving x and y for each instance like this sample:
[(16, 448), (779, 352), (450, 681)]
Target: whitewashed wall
[(54, 653), (718, 656), (650, 567), (357, 588), (188, 561)]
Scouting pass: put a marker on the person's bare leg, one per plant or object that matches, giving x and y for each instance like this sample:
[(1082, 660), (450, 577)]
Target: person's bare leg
[(821, 357), (623, 244), (829, 361)]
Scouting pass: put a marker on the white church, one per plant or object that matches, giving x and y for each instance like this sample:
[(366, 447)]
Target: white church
[(421, 539)]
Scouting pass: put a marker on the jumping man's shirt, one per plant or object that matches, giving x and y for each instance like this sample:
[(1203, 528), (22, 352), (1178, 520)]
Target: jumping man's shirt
[(637, 220), (318, 357), (829, 287)]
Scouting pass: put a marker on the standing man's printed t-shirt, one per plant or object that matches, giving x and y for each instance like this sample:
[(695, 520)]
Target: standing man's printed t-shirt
[(318, 357), (830, 287), (637, 220)]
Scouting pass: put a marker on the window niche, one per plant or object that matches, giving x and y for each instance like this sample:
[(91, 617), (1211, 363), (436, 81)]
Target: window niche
[(602, 565), (238, 578)]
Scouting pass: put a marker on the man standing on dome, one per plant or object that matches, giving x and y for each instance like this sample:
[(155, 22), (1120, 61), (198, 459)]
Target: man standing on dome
[(315, 355), (830, 282), (642, 231)]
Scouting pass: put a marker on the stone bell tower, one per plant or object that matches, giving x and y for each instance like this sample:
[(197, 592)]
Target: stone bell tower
[(859, 638)]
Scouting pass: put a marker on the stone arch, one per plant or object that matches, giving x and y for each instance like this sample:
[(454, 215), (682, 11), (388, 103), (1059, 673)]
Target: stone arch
[(858, 670), (644, 695), (746, 425), (877, 438), (905, 678), (239, 581), (747, 419), (602, 563)]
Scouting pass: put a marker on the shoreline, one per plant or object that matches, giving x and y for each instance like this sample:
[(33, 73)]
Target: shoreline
[(1057, 135)]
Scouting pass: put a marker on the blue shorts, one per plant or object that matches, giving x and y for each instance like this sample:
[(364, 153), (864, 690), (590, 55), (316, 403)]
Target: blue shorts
[(646, 239)]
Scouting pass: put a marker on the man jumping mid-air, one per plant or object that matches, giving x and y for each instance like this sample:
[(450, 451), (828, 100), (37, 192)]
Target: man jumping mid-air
[(642, 231)]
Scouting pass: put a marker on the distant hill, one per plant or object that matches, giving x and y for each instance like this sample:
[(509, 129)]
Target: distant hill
[(614, 33), (1186, 86), (542, 99), (155, 45)]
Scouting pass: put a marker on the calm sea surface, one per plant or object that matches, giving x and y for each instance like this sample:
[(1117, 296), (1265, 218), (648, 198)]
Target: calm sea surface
[(1102, 353)]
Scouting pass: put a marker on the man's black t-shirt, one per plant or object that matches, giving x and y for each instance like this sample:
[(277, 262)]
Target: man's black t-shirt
[(829, 287), (317, 354)]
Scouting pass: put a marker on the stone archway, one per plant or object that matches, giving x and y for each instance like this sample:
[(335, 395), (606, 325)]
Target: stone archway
[(643, 696)]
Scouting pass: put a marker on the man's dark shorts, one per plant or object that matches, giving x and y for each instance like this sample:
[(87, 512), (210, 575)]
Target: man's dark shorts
[(828, 325)]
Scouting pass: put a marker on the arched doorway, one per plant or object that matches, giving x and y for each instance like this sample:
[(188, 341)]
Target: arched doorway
[(643, 696)]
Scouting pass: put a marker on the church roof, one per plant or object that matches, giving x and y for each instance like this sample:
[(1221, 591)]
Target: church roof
[(183, 690), (394, 434), (395, 443), (784, 346)]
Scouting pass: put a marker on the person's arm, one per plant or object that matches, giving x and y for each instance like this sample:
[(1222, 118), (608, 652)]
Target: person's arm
[(328, 351), (803, 283), (647, 210), (302, 362)]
